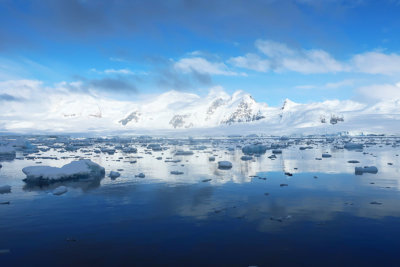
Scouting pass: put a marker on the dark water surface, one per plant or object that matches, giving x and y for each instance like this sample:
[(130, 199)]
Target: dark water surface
[(323, 216)]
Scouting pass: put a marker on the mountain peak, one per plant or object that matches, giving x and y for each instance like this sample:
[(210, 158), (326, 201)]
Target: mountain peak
[(288, 104)]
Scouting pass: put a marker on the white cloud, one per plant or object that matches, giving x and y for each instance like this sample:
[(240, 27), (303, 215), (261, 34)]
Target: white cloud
[(377, 63), (203, 66), (119, 71), (274, 49), (252, 62), (380, 92), (339, 84), (279, 57)]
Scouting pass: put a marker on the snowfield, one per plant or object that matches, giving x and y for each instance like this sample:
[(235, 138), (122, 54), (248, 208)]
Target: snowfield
[(217, 113)]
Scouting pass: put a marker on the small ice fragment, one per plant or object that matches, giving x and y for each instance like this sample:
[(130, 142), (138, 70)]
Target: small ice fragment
[(245, 158), (224, 165), (353, 161), (140, 175), (114, 174), (60, 190)]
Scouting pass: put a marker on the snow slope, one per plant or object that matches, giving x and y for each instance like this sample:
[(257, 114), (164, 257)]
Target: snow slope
[(217, 112)]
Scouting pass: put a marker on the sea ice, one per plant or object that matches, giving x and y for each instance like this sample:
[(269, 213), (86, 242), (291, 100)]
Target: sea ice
[(81, 169), (254, 149), (114, 174), (366, 169), (224, 165), (352, 146)]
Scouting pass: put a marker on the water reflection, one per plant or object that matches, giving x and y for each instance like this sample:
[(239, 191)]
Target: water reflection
[(84, 185), (205, 205)]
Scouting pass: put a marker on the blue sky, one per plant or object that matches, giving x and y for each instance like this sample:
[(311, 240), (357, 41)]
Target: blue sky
[(304, 50)]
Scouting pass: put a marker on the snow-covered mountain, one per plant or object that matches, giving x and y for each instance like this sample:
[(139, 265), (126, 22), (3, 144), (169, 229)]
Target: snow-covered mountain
[(217, 112), (183, 110)]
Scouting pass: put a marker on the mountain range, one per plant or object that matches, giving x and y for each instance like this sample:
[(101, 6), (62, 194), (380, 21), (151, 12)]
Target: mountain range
[(217, 112)]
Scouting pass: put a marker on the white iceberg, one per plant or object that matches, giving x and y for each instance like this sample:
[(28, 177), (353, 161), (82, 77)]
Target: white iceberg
[(82, 169)]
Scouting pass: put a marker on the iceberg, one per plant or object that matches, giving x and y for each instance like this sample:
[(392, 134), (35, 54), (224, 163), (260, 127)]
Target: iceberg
[(366, 169), (254, 149), (225, 165), (244, 158), (353, 146), (183, 153), (81, 169), (114, 174)]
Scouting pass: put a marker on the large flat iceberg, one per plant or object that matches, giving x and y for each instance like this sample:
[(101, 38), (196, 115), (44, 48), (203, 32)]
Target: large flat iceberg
[(82, 169)]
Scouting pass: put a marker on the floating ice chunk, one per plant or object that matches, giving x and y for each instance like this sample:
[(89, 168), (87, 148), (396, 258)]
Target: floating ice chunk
[(114, 174), (224, 165), (254, 149), (60, 190), (140, 175), (353, 161), (154, 147), (353, 146), (366, 169), (277, 151), (183, 153), (172, 160), (81, 169), (4, 189), (129, 150), (246, 158)]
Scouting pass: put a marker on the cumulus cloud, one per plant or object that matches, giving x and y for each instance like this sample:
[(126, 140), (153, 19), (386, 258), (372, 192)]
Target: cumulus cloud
[(279, 57), (380, 92), (377, 63), (251, 62)]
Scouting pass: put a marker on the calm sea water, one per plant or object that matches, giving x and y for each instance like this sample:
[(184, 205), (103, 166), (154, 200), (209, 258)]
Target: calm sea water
[(244, 216)]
